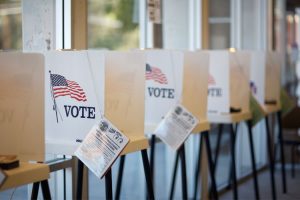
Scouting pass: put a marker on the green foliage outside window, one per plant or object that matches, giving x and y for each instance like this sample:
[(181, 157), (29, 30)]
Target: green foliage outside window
[(112, 24)]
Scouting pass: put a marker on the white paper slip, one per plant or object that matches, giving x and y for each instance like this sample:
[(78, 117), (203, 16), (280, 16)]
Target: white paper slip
[(176, 126), (101, 147)]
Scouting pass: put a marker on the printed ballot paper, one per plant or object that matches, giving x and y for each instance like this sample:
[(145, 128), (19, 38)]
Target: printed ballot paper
[(176, 126), (101, 147)]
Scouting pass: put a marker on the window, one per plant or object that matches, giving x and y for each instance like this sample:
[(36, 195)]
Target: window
[(113, 24), (10, 24)]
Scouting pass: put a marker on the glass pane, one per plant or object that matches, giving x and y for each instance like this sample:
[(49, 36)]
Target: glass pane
[(113, 24), (219, 36), (249, 25), (219, 8), (10, 24)]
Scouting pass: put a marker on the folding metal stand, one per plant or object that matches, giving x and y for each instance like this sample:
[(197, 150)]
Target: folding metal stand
[(108, 178), (180, 153), (282, 157), (233, 133), (232, 176), (271, 158), (210, 165), (45, 190), (54, 165)]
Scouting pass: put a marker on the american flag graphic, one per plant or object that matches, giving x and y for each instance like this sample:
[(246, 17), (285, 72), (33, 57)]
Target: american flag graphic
[(63, 87), (211, 80), (155, 74)]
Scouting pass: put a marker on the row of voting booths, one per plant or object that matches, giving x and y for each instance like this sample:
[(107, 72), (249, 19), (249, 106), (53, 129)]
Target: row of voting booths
[(49, 103)]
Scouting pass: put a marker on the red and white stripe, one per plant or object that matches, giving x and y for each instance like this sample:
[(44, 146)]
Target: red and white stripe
[(73, 90), (156, 75)]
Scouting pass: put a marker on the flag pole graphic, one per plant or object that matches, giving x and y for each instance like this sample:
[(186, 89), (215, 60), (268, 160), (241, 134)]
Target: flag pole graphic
[(53, 98)]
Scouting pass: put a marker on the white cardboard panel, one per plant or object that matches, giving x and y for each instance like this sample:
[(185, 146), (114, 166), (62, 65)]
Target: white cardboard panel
[(22, 105), (164, 77), (96, 60), (265, 76), (219, 83), (67, 125), (239, 80)]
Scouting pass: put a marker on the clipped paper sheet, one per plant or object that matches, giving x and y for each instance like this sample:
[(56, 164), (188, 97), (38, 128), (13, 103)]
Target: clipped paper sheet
[(101, 147), (176, 126)]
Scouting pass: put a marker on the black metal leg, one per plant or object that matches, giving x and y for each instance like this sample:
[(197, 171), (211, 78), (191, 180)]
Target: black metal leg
[(147, 171), (198, 167), (108, 185), (282, 157), (249, 124), (35, 190), (46, 190), (211, 165), (79, 180), (236, 127), (271, 161), (120, 177), (219, 138), (152, 155), (183, 172), (65, 177), (293, 160), (230, 177), (232, 134), (174, 176)]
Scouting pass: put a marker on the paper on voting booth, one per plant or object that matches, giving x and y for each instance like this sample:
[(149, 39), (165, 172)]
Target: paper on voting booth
[(176, 126), (22, 105), (239, 80), (163, 72), (101, 147), (218, 82), (73, 102)]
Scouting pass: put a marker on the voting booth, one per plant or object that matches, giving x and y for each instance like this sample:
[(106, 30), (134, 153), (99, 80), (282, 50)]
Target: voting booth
[(125, 96), (22, 117), (74, 97), (195, 83), (22, 120), (228, 82), (265, 77), (163, 89), (265, 87)]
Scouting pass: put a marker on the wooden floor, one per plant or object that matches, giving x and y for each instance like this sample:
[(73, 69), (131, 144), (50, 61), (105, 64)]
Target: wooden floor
[(246, 191)]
